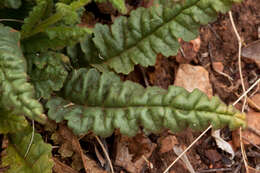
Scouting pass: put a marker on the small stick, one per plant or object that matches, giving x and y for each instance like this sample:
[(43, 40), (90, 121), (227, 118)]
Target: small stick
[(245, 93), (106, 154), (214, 170), (243, 87), (196, 140), (147, 162), (251, 142), (31, 140), (11, 20)]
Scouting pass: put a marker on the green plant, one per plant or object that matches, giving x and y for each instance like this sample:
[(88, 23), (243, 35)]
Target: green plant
[(50, 59)]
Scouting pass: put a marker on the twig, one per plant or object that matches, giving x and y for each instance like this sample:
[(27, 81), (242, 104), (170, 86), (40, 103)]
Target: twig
[(245, 93), (239, 166), (150, 165), (31, 140), (249, 141), (239, 56), (196, 140), (219, 72), (145, 77), (106, 154), (255, 131), (215, 33), (243, 87), (182, 52), (249, 89), (11, 20), (214, 170)]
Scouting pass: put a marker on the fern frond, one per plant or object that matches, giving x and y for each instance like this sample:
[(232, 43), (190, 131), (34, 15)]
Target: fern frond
[(118, 4), (16, 94), (147, 32), (47, 72), (102, 103), (38, 159)]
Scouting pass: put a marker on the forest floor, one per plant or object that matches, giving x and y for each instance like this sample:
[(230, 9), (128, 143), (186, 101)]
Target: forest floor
[(209, 63)]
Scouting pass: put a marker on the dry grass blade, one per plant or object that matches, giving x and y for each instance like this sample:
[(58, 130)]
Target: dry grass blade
[(106, 154), (196, 140), (243, 87)]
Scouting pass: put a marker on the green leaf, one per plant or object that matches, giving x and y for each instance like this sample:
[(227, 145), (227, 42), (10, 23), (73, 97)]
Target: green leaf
[(16, 94), (10, 123), (15, 4), (102, 103), (54, 38), (70, 16), (34, 18), (147, 32), (38, 159), (118, 4), (48, 72)]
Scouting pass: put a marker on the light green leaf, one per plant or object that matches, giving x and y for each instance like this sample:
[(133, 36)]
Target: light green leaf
[(147, 32), (10, 123), (38, 159), (102, 103), (16, 94)]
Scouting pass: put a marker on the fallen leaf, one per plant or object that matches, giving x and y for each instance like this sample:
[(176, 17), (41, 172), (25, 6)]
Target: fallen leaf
[(130, 152), (213, 155), (255, 102), (253, 121), (66, 150), (252, 50), (188, 51), (218, 66), (178, 151), (167, 143), (89, 164), (60, 167), (222, 144), (191, 77)]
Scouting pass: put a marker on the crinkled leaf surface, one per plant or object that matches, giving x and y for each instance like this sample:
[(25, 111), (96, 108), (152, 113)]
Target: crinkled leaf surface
[(54, 38), (102, 103), (147, 32), (11, 123), (38, 159), (47, 72), (35, 17), (16, 93)]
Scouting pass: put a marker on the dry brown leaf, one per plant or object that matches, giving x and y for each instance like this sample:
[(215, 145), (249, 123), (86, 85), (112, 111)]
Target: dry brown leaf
[(252, 50), (191, 77), (253, 120), (218, 66), (130, 152), (89, 165), (167, 143), (188, 51), (60, 167), (254, 102)]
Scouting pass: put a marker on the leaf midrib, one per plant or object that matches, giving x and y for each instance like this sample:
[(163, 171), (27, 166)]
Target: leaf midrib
[(152, 33)]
